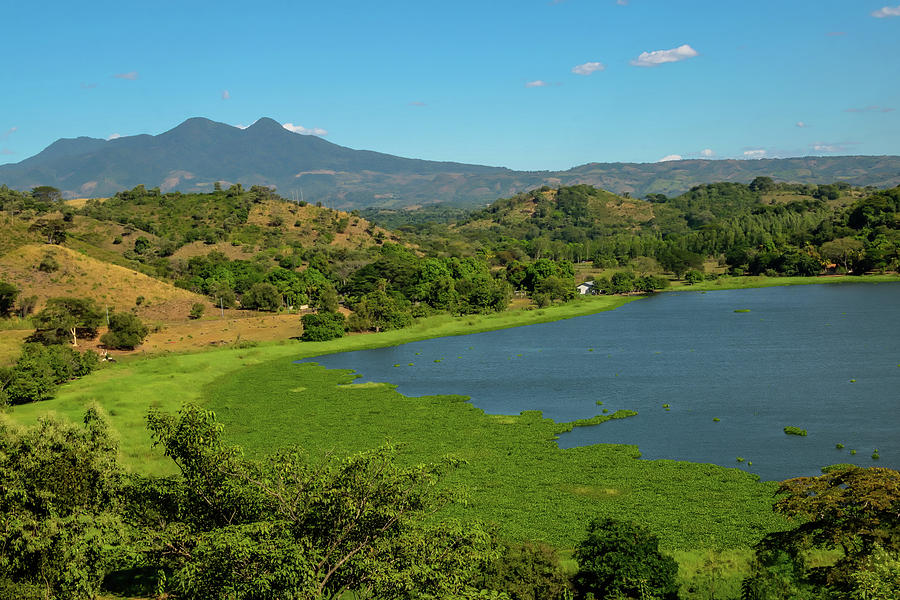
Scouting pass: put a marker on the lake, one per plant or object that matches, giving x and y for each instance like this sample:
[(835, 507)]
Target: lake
[(825, 358)]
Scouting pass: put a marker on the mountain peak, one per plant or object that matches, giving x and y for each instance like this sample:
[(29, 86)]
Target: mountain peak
[(266, 124)]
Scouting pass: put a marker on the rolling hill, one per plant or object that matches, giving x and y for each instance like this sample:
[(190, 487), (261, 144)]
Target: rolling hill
[(199, 152)]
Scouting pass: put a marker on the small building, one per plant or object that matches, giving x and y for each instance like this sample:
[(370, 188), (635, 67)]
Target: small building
[(587, 288)]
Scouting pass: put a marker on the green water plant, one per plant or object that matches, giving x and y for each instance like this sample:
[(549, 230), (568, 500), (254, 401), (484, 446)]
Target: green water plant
[(839, 446), (740, 459), (853, 452), (742, 310), (791, 430), (716, 419), (875, 455)]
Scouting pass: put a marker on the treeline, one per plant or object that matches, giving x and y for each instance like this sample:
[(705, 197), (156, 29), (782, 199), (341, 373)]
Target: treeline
[(73, 523)]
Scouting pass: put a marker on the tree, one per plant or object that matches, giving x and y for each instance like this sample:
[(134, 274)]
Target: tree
[(126, 332), (233, 528), (323, 326), (261, 296), (845, 251), (54, 231), (622, 558), (854, 510), (67, 318), (529, 571), (59, 521), (693, 276), (8, 295), (40, 368), (46, 193)]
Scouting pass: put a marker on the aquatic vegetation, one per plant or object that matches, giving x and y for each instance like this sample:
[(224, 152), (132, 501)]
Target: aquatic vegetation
[(837, 467), (839, 446), (853, 452), (599, 402), (597, 419), (791, 430), (716, 419), (875, 455), (742, 310), (740, 459), (397, 365), (665, 406)]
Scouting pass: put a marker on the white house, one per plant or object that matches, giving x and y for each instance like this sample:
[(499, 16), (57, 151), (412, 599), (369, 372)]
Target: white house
[(586, 288)]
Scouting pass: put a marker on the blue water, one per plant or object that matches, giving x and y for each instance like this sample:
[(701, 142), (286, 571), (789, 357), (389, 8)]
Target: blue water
[(789, 361)]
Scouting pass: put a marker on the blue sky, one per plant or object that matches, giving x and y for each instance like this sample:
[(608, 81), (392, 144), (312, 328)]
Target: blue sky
[(488, 82)]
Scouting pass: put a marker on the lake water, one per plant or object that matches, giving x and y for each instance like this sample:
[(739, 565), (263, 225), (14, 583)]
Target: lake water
[(825, 358)]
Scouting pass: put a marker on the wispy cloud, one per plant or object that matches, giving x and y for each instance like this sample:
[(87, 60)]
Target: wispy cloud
[(417, 103), (6, 151), (130, 75), (670, 158), (659, 57), (588, 68), (755, 153), (536, 83), (114, 136), (707, 153), (881, 109), (8, 132), (226, 94), (833, 147), (88, 86), (801, 125), (303, 130), (622, 2), (887, 11)]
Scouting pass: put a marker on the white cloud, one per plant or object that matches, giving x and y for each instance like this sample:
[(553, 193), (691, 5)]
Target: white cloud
[(757, 153), (303, 130), (882, 109), (670, 158), (833, 147), (536, 83), (239, 126), (130, 75), (801, 125), (820, 147), (226, 95), (659, 57), (887, 11), (8, 132), (114, 136), (707, 153), (588, 68)]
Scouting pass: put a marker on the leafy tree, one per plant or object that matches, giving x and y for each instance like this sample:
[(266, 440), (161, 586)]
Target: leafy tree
[(845, 251), (262, 296), (126, 331), (693, 276), (197, 310), (46, 193), (59, 523), (622, 558), (322, 326), (555, 288), (529, 571), (855, 510), (8, 295), (55, 231), (40, 368), (380, 311), (67, 318), (233, 528)]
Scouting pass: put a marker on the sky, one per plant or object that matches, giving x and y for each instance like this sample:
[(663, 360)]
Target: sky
[(526, 84)]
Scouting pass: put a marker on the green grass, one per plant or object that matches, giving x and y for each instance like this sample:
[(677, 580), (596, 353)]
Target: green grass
[(739, 283)]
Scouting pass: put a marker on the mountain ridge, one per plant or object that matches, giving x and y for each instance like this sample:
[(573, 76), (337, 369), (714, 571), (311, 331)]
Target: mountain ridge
[(198, 152)]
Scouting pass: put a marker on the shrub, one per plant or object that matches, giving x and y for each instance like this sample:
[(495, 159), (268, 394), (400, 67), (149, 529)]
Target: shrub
[(320, 327), (197, 310), (529, 571), (8, 295), (48, 264), (622, 558), (40, 368), (125, 332)]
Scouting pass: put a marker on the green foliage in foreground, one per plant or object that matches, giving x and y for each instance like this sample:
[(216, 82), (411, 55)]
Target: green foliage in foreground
[(516, 475), (619, 559)]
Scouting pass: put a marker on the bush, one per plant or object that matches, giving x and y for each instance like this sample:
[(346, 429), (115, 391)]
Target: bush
[(125, 332), (262, 296), (320, 327), (197, 310), (40, 368), (529, 571), (8, 295), (621, 558), (48, 264)]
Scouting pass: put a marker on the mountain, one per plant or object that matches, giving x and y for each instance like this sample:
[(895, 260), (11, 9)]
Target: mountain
[(197, 153)]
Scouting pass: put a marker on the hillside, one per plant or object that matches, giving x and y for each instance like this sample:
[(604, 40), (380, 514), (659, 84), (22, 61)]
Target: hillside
[(76, 274), (196, 154)]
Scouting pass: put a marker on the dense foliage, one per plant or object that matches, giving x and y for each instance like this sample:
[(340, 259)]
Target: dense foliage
[(125, 332), (40, 369)]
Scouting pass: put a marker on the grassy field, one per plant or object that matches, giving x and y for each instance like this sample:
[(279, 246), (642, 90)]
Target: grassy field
[(746, 282)]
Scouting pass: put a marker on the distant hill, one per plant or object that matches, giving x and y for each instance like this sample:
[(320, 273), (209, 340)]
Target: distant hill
[(197, 153)]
